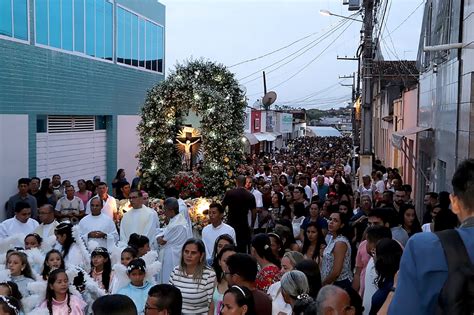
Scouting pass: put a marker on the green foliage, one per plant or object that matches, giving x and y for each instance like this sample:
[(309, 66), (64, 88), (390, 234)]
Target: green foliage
[(213, 92)]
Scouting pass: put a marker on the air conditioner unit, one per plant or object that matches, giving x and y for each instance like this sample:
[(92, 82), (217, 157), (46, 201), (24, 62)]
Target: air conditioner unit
[(354, 5), (345, 2)]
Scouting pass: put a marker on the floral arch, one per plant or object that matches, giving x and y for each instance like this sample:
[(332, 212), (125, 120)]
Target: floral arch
[(214, 94)]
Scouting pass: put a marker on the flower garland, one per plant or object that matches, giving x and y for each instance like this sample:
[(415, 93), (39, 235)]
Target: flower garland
[(212, 91)]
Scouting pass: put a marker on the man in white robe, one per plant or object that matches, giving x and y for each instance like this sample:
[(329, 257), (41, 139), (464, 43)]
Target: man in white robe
[(183, 208), (140, 219), (98, 227), (48, 222), (172, 239), (110, 203), (21, 223)]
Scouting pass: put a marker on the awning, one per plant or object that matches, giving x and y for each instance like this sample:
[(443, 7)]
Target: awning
[(397, 137), (251, 138), (276, 134), (264, 136)]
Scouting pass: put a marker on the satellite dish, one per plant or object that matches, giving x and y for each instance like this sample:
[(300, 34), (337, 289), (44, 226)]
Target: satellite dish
[(269, 99)]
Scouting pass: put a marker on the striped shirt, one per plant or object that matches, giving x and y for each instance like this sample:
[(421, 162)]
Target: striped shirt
[(197, 294)]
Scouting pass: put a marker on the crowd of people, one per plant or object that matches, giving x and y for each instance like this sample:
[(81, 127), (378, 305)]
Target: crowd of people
[(295, 236)]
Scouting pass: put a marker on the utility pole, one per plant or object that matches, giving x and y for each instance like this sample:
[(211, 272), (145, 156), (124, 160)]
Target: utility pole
[(367, 86)]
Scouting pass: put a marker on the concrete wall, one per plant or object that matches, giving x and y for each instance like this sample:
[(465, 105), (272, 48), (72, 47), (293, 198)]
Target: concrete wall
[(127, 144), (13, 155)]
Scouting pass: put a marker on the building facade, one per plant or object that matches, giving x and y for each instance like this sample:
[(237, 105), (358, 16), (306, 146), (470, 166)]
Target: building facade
[(446, 96), (74, 74)]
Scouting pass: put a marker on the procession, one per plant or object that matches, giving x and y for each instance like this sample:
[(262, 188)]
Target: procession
[(184, 157)]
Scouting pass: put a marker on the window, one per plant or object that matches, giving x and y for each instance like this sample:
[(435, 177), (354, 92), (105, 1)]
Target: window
[(84, 26), (100, 122), (140, 42), (14, 19), (41, 123)]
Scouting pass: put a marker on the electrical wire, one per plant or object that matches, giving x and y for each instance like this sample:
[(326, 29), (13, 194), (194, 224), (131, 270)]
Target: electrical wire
[(281, 48), (304, 50)]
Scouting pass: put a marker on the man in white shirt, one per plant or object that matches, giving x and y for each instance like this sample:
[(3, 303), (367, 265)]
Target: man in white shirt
[(249, 185), (98, 227), (110, 204), (48, 223), (69, 207), (172, 239), (21, 223), (216, 228), (140, 219), (183, 208)]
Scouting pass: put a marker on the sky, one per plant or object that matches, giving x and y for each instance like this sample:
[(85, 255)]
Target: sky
[(304, 74)]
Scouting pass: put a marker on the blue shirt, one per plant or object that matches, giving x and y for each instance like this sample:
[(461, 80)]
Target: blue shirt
[(423, 272), (322, 192), (138, 295)]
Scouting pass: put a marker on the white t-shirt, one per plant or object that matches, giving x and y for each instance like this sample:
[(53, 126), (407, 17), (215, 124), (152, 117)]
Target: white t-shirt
[(380, 186), (370, 287), (211, 233), (13, 226)]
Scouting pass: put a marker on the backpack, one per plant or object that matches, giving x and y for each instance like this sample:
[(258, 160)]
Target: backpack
[(457, 295)]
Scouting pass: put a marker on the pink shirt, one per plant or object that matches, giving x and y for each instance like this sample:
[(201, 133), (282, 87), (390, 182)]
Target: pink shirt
[(84, 197), (362, 259), (61, 308)]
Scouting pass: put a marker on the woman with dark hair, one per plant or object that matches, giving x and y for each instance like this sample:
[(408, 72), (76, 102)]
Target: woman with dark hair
[(283, 180), (221, 241), (238, 300), (58, 298), (46, 194), (101, 267), (277, 208), (311, 269), (82, 191), (53, 260), (221, 282), (388, 254), (118, 180), (336, 261), (269, 265), (140, 243), (9, 305), (313, 242), (299, 215), (284, 229), (409, 220), (71, 252), (276, 245), (194, 278)]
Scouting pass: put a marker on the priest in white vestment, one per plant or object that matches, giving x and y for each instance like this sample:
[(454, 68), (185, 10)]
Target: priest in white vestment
[(47, 221), (140, 219), (98, 227), (21, 223), (174, 235)]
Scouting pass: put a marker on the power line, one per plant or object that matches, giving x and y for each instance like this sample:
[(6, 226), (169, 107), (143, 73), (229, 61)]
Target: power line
[(406, 19), (308, 47), (279, 49), (314, 59)]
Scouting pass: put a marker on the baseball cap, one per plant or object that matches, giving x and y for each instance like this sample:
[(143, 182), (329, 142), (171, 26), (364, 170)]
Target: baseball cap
[(96, 178)]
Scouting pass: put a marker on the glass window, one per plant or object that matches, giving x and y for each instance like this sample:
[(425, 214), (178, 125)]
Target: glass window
[(20, 19), (79, 25), (41, 20), (6, 18), (109, 34), (99, 29), (141, 48), (161, 49), (55, 24), (100, 122), (90, 27), (149, 45), (134, 40), (66, 18), (154, 47), (120, 35), (128, 38)]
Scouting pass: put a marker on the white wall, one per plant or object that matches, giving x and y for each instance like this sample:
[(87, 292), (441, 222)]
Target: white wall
[(73, 155), (13, 155), (127, 144)]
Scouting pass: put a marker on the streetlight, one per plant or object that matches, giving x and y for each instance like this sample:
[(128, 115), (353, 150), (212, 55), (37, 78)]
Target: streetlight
[(329, 13)]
